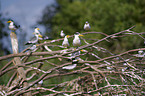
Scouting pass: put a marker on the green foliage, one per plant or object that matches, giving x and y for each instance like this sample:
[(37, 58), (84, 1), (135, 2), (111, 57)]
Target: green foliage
[(108, 16)]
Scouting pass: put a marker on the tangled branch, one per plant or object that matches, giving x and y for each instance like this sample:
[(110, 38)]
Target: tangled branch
[(98, 71)]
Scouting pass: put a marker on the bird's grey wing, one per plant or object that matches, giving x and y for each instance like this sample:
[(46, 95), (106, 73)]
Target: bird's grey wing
[(32, 41)]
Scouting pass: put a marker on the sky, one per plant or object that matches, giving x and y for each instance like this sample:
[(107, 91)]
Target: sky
[(25, 12)]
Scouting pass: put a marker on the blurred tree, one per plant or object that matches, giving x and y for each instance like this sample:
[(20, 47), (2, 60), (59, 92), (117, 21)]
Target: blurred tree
[(48, 14), (2, 35), (108, 16)]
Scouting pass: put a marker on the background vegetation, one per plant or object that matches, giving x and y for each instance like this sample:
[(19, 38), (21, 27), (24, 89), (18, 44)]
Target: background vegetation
[(106, 16)]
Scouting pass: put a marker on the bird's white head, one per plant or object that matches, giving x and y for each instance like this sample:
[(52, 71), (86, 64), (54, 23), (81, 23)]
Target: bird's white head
[(87, 22), (11, 22), (62, 34), (36, 30)]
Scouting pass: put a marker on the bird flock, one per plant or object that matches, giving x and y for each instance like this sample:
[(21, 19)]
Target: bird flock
[(76, 43), (76, 40), (38, 37)]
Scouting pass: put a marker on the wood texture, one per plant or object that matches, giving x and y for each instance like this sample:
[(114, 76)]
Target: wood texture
[(17, 60)]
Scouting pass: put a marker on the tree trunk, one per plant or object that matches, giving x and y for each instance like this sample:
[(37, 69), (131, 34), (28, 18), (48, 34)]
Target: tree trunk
[(17, 60)]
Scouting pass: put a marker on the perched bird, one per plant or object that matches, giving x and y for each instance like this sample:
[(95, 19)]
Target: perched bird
[(69, 67), (87, 26), (74, 54), (36, 31), (140, 52), (12, 25), (74, 57), (62, 34), (35, 39), (33, 47), (40, 82), (65, 42), (77, 41)]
